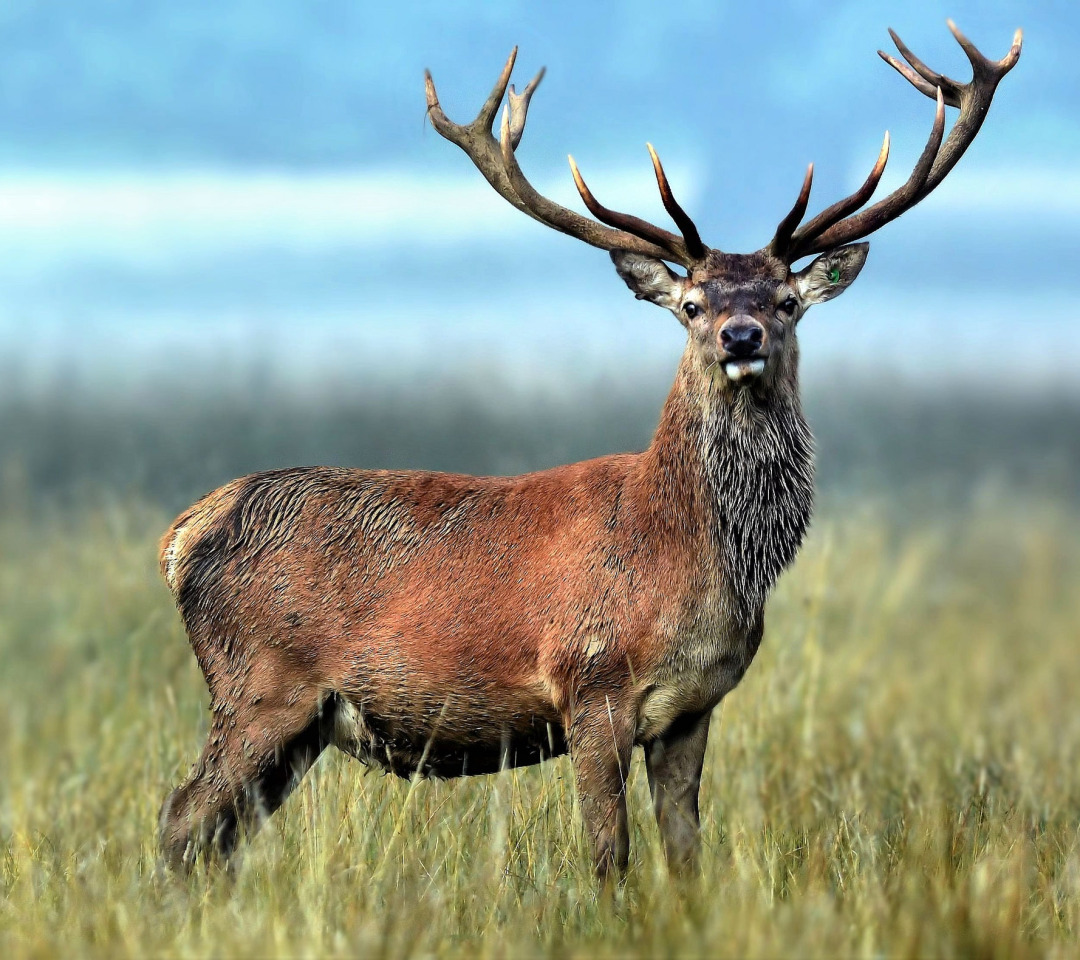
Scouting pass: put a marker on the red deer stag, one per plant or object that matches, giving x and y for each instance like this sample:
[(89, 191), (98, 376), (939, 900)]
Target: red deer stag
[(443, 625)]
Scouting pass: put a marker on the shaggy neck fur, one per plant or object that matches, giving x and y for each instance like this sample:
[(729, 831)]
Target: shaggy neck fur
[(738, 463)]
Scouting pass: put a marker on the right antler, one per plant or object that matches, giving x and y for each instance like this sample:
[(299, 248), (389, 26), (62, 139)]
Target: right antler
[(496, 160), (829, 228)]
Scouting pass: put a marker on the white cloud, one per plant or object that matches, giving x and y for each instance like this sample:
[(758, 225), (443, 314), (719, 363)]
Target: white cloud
[(1026, 192), (147, 217)]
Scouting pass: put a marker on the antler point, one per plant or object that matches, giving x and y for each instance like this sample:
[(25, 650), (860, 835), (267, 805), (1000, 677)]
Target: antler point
[(429, 92), (576, 174), (582, 189)]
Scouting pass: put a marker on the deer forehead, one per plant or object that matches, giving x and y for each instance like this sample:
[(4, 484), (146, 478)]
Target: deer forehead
[(739, 268), (748, 280), (721, 295), (725, 274)]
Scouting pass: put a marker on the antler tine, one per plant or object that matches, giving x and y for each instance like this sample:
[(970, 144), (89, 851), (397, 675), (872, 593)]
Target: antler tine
[(781, 240), (1007, 62), (518, 105), (979, 61), (931, 79), (491, 104), (686, 226), (626, 221), (916, 80)]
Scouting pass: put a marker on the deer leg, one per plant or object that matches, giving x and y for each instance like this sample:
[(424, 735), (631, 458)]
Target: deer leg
[(673, 763), (244, 775), (600, 746)]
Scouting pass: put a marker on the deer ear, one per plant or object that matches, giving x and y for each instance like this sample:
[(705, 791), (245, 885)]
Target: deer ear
[(649, 278), (831, 273)]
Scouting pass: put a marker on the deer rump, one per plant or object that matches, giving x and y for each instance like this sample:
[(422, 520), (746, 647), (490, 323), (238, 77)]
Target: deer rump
[(432, 623)]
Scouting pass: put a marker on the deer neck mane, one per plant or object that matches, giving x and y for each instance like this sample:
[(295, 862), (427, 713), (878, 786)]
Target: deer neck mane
[(734, 472)]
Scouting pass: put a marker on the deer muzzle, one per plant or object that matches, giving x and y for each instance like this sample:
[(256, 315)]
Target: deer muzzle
[(743, 348)]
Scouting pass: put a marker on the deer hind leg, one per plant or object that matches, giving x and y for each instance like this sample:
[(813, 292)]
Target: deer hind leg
[(246, 772), (673, 763), (601, 741)]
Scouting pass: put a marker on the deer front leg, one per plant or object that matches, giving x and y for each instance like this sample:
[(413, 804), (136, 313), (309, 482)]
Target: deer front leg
[(673, 763), (601, 741)]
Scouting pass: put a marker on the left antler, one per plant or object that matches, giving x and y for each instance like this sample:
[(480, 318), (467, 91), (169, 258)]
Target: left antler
[(839, 223)]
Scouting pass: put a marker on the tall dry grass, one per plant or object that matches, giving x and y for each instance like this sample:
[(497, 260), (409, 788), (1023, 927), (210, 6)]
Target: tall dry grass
[(898, 775)]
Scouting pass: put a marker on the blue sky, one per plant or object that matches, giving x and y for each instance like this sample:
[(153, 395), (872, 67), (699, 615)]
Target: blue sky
[(245, 182)]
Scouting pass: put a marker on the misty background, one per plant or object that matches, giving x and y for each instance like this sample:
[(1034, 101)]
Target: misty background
[(230, 241)]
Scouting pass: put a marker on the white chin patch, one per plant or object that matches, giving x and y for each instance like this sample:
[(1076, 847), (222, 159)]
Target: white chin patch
[(737, 370)]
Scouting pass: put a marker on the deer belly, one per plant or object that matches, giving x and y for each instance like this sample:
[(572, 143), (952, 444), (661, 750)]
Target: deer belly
[(451, 746)]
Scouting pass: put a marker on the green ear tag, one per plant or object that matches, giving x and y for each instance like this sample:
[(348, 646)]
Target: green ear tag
[(834, 275)]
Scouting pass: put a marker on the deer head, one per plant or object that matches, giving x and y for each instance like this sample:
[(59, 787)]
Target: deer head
[(740, 310)]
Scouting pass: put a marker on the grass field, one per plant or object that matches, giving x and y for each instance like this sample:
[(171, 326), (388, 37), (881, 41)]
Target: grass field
[(898, 775)]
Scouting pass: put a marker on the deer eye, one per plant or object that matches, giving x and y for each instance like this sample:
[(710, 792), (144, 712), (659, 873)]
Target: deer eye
[(691, 310), (789, 306)]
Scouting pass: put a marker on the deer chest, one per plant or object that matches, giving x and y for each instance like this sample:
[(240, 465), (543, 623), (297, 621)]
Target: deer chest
[(705, 658)]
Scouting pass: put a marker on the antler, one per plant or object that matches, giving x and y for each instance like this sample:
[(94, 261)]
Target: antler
[(496, 160), (830, 228)]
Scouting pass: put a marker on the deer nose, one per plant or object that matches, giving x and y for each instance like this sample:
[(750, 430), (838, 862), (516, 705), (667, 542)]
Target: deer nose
[(742, 337)]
